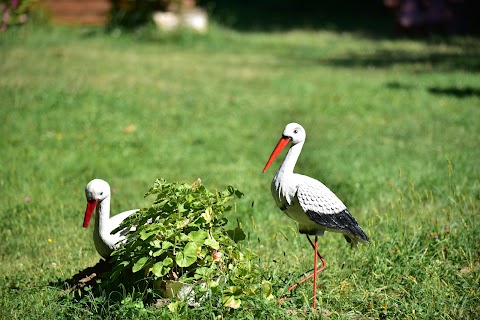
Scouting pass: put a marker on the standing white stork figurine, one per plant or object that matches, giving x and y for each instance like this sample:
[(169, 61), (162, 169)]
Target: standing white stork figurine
[(98, 196), (309, 202)]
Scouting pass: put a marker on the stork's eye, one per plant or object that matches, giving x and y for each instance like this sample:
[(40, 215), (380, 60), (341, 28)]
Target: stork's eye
[(101, 193), (295, 131)]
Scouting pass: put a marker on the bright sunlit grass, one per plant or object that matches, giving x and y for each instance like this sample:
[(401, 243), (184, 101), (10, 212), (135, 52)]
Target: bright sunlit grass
[(392, 128)]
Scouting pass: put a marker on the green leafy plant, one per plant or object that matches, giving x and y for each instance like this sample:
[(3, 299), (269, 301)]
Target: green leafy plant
[(182, 237), (13, 12)]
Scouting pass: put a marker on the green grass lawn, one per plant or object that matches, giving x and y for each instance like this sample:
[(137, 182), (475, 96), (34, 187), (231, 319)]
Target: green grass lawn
[(393, 128)]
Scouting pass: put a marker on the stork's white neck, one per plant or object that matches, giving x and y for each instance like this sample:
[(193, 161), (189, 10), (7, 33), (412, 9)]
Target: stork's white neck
[(103, 216), (290, 160)]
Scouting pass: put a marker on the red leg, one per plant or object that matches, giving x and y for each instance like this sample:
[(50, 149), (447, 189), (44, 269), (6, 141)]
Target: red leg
[(315, 271)]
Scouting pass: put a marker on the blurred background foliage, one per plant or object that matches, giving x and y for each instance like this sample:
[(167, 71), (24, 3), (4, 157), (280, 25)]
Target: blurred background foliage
[(376, 18)]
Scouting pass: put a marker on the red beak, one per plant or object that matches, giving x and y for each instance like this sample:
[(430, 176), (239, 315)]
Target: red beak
[(88, 212), (280, 145)]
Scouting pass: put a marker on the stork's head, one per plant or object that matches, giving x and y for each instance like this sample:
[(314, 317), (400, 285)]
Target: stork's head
[(294, 133), (95, 191)]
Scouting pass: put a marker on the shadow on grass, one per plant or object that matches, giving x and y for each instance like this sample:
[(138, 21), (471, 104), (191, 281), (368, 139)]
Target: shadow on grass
[(91, 293), (398, 86), (464, 60), (85, 280), (93, 284), (458, 92)]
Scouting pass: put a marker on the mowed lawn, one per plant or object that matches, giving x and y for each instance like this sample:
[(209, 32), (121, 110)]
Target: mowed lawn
[(393, 128)]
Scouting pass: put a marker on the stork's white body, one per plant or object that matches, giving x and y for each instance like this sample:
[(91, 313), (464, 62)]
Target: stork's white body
[(306, 200), (98, 191), (296, 193), (104, 241)]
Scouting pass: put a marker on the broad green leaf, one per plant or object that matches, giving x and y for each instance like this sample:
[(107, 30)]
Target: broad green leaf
[(155, 243), (159, 252), (212, 243), (167, 261), (234, 290), (181, 224), (144, 235), (166, 245), (213, 283), (173, 306), (237, 234), (267, 290), (162, 203), (181, 208), (207, 215), (250, 290), (231, 302), (159, 269), (202, 273), (188, 256), (182, 237), (198, 236), (139, 264)]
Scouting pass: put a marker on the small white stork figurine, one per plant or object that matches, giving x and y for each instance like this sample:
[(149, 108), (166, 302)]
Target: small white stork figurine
[(98, 196), (309, 202)]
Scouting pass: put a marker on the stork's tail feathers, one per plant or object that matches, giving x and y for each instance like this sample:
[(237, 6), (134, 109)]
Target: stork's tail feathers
[(342, 222), (356, 233)]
